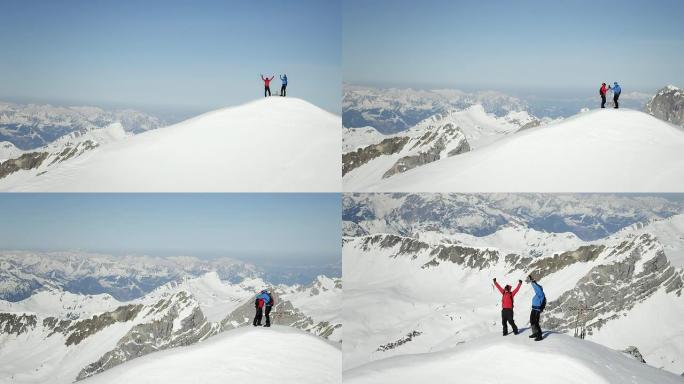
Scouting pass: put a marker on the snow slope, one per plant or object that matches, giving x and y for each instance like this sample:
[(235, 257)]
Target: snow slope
[(246, 355), (600, 151), (494, 359), (274, 144)]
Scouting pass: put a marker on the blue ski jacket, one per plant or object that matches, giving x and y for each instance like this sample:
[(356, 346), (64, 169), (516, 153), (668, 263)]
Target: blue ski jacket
[(265, 297), (284, 79), (616, 88), (538, 296)]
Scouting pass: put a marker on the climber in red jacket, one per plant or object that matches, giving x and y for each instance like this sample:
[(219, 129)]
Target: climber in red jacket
[(507, 306), (267, 83), (602, 93)]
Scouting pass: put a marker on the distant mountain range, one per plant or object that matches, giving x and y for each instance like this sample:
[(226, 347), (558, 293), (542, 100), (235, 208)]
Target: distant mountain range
[(393, 110), (31, 126), (589, 217)]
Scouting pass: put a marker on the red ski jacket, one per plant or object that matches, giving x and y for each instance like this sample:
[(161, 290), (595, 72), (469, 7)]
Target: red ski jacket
[(507, 297), (267, 81), (260, 303), (603, 89)]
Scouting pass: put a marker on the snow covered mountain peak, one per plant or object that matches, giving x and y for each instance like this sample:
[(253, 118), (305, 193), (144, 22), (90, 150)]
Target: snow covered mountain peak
[(265, 356), (600, 150), (289, 145)]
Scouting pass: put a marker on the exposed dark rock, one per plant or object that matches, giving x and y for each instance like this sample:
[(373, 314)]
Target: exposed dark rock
[(24, 162), (353, 160)]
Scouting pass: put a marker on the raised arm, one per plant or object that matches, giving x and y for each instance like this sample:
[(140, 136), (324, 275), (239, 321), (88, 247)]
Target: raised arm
[(517, 288), (262, 77), (498, 286), (271, 78)]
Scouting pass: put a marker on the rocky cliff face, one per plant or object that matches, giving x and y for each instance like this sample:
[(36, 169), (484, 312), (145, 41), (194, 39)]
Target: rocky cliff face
[(169, 323), (668, 105), (430, 141)]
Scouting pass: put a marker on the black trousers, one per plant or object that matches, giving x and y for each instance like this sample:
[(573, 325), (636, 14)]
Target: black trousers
[(267, 90), (257, 317), (603, 101), (506, 318), (615, 100), (282, 89), (534, 323), (267, 313)]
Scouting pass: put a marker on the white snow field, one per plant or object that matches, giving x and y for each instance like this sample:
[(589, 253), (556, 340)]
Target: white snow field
[(600, 151), (272, 145), (246, 355), (514, 359)]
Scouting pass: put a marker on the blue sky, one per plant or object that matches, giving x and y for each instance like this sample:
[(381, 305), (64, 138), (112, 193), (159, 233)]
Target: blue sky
[(550, 46), (280, 228), (168, 55)]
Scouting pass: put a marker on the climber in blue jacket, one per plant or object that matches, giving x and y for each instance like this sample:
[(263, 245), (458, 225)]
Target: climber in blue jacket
[(538, 305), (262, 300), (616, 93), (283, 78)]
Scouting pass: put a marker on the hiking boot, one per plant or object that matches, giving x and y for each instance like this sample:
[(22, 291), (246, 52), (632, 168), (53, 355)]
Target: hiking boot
[(267, 325), (532, 336), (539, 338)]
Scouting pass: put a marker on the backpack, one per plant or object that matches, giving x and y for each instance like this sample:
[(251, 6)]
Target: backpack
[(271, 301), (543, 303)]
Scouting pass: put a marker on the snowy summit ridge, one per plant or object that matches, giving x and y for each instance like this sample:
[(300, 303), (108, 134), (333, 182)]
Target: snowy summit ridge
[(272, 145)]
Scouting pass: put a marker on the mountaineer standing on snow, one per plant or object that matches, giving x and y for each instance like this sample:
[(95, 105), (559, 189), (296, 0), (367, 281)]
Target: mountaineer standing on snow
[(603, 92), (616, 93), (283, 78), (538, 305), (507, 306), (268, 306), (261, 300), (267, 83)]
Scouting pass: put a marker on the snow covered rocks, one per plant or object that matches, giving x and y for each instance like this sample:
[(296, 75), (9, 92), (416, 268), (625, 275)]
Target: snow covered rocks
[(668, 105), (272, 145)]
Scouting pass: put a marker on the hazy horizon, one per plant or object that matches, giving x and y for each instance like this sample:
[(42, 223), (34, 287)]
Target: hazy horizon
[(283, 229), (542, 102)]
